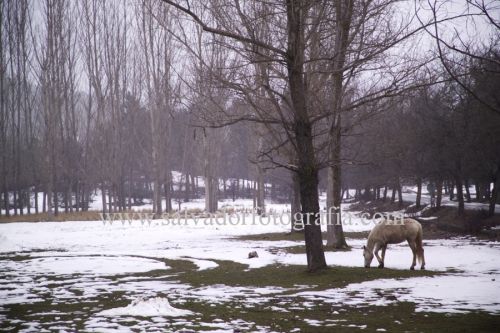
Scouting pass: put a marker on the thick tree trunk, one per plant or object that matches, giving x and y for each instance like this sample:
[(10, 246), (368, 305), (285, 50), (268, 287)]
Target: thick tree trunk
[(385, 194), (310, 212)]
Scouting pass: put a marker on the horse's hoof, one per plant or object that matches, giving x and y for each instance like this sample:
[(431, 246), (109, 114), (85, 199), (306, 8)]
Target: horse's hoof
[(412, 268)]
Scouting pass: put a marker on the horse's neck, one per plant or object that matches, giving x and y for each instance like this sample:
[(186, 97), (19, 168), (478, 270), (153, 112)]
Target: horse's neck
[(370, 244)]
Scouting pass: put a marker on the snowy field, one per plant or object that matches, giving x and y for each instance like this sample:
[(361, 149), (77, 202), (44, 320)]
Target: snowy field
[(57, 265)]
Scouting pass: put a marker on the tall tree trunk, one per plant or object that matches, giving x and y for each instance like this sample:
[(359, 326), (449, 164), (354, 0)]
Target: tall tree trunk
[(419, 193), (103, 197), (385, 194), (467, 190), (211, 189), (187, 192), (460, 195), (307, 166), (494, 192), (335, 232), (310, 212), (260, 193), (16, 201), (439, 192), (487, 191), (110, 198), (479, 195), (56, 202), (295, 208), (36, 198), (168, 192), (400, 192), (44, 202)]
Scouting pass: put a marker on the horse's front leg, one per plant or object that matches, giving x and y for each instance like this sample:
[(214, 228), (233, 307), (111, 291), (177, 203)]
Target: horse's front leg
[(375, 251)]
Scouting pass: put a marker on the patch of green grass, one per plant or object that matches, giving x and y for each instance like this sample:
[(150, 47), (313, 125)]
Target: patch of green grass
[(301, 249), (398, 317), (235, 274), (281, 313)]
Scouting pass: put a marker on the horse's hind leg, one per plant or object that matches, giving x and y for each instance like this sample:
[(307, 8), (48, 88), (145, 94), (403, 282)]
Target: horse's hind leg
[(384, 247), (413, 247), (423, 260), (380, 260)]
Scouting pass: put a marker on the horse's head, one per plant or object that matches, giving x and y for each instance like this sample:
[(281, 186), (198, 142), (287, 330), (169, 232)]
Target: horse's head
[(368, 255)]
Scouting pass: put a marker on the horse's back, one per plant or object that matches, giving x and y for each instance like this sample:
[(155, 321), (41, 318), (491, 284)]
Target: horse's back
[(393, 232)]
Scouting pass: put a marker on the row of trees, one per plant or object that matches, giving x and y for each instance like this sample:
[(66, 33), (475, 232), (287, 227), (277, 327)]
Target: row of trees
[(440, 136), (113, 96), (98, 106)]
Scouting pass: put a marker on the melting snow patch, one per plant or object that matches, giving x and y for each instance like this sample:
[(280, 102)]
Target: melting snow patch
[(203, 264), (152, 307), (103, 265)]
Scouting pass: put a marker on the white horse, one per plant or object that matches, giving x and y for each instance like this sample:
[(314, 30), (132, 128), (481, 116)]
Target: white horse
[(394, 232)]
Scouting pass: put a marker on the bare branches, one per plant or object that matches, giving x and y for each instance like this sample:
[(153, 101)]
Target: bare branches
[(187, 10)]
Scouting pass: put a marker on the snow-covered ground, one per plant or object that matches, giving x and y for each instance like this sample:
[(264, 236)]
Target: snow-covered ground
[(68, 262)]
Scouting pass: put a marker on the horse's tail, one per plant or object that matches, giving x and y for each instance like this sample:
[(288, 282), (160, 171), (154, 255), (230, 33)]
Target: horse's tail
[(420, 248)]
